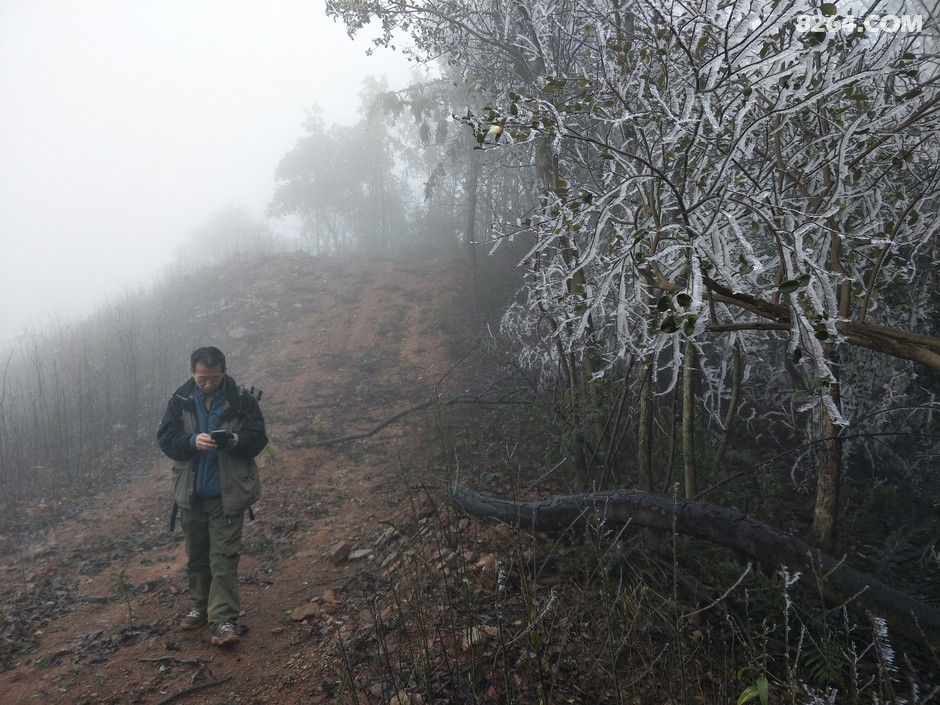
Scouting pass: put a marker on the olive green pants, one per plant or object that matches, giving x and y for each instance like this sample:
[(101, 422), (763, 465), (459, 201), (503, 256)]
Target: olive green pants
[(213, 547)]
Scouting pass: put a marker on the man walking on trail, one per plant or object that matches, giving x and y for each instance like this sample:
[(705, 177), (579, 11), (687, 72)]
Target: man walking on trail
[(213, 429)]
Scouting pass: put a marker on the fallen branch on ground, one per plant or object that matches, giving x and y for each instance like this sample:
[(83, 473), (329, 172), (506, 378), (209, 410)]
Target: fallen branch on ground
[(172, 659), (376, 429), (192, 689), (740, 532), (465, 399)]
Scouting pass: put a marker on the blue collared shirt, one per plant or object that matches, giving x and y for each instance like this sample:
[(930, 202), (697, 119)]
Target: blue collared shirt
[(207, 474)]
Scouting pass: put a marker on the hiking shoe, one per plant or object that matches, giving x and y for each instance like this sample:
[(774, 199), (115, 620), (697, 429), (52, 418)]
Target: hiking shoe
[(224, 633), (193, 620)]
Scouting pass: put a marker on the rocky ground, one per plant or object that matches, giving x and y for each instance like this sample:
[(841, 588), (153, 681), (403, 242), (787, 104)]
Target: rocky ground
[(91, 602)]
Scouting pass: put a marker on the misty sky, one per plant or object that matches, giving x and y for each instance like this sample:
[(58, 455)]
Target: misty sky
[(125, 124)]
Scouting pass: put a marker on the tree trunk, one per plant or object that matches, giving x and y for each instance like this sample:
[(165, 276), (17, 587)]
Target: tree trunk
[(688, 420), (736, 374), (645, 430), (829, 459), (829, 476), (470, 228), (740, 532)]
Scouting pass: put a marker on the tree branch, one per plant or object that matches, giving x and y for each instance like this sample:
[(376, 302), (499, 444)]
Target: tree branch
[(191, 689), (890, 341), (740, 532), (506, 398), (375, 429)]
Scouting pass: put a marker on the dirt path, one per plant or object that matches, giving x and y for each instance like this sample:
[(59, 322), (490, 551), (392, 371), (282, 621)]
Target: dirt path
[(337, 348)]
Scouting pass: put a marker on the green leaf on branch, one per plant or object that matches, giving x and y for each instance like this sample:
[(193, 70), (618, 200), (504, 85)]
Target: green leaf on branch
[(791, 285), (760, 689)]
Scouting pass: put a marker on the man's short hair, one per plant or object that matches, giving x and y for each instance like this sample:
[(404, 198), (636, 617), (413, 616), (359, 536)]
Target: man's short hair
[(208, 356)]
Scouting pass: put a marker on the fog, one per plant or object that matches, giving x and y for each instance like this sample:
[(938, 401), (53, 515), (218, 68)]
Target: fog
[(125, 124)]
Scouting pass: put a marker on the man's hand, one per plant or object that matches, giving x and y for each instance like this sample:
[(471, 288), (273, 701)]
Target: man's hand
[(224, 439), (204, 442)]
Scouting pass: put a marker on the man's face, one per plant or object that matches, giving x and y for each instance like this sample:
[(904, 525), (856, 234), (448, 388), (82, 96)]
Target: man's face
[(208, 379)]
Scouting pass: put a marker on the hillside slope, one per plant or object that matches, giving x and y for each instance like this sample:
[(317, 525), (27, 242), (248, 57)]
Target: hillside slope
[(337, 347), (358, 588)]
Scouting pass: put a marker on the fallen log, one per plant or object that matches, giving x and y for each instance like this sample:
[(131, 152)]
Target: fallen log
[(742, 533)]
